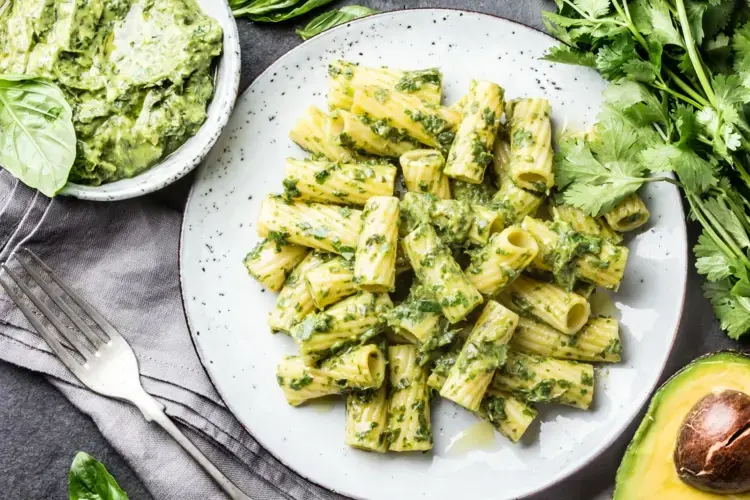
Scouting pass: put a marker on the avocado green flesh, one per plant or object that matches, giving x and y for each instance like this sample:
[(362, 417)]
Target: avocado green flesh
[(647, 470), (137, 74)]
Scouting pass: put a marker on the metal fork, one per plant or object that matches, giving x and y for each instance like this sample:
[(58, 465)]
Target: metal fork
[(109, 365)]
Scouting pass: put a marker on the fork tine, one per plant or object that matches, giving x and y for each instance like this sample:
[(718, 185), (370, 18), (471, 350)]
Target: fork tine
[(95, 339), (54, 344), (100, 320), (71, 337)]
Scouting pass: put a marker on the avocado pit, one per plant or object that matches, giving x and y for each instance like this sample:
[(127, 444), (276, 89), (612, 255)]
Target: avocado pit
[(713, 444)]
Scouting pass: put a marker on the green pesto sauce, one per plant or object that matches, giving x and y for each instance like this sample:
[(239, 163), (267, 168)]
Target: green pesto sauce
[(413, 81), (137, 74)]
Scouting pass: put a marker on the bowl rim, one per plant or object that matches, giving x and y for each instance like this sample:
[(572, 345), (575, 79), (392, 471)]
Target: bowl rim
[(184, 159)]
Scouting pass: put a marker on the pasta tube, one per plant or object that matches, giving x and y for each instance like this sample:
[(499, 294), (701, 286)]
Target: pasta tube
[(312, 133), (359, 368), (509, 415), (631, 213), (366, 135), (601, 263), (483, 220), (584, 223), (342, 183), (598, 340), (501, 157), (531, 144), (325, 227), (562, 310), (513, 204), (367, 418), (417, 318), (294, 301), (423, 172), (271, 261), (546, 380), (409, 427), (375, 259), (483, 353), (451, 219), (439, 272), (344, 323), (430, 124), (345, 77), (330, 282), (471, 151), (496, 265)]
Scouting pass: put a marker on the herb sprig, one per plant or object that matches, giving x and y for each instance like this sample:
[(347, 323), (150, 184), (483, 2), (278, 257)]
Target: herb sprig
[(678, 101)]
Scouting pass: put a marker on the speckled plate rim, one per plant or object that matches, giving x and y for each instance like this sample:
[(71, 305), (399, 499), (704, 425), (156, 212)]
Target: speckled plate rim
[(189, 155), (636, 406)]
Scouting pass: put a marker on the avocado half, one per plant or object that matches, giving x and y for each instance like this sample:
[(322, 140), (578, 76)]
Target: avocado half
[(647, 470)]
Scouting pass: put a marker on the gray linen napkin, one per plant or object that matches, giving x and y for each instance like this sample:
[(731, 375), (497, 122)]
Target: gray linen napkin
[(123, 258)]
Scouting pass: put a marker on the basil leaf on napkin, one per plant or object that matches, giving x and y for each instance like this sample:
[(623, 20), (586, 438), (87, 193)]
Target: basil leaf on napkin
[(273, 11), (89, 480), (333, 18), (37, 138)]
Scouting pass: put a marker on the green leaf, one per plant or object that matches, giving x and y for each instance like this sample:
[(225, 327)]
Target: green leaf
[(89, 480), (717, 16), (328, 20), (711, 261), (567, 55), (695, 10), (610, 59), (717, 54), (258, 7), (640, 70), (274, 13), (37, 138), (695, 173), (741, 47), (733, 311), (728, 221), (642, 106), (683, 116), (653, 18), (594, 8)]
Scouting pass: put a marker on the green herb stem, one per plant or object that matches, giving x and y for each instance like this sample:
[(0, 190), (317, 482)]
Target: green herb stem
[(682, 97), (687, 88), (693, 53), (715, 230)]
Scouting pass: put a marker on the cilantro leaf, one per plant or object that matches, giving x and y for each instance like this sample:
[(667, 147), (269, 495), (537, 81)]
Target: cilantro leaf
[(728, 221), (640, 70), (711, 261), (741, 48), (568, 55), (683, 117), (653, 17), (733, 311), (610, 59), (695, 173), (636, 101), (718, 53), (594, 8), (717, 16)]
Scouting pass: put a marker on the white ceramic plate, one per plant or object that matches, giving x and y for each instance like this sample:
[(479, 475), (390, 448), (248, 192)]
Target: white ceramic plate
[(227, 310), (190, 154)]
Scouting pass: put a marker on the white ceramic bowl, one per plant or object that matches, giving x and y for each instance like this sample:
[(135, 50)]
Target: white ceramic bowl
[(190, 154)]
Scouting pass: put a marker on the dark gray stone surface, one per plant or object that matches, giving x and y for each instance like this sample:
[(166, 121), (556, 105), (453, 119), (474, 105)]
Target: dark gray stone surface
[(40, 431)]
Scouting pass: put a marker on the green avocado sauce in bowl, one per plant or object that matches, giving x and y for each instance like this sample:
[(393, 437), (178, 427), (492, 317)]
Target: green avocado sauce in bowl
[(151, 83)]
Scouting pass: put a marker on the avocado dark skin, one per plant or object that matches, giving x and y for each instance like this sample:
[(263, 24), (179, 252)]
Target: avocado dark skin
[(713, 446)]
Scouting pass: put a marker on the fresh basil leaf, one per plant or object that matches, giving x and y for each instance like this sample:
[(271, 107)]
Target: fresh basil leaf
[(258, 7), (272, 11), (333, 18), (89, 480), (37, 138)]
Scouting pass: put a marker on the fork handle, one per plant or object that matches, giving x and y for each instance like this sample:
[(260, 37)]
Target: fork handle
[(153, 410)]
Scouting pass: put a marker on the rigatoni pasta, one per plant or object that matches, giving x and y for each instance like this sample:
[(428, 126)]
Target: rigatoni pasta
[(423, 172), (325, 227), (430, 124), (330, 282), (438, 270), (409, 424), (360, 368), (482, 354), (497, 264), (344, 229), (345, 77), (375, 259), (295, 301), (531, 144), (338, 183), (562, 310), (272, 260), (471, 151)]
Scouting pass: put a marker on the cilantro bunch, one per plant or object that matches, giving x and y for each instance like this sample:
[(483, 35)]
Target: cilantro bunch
[(678, 102)]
